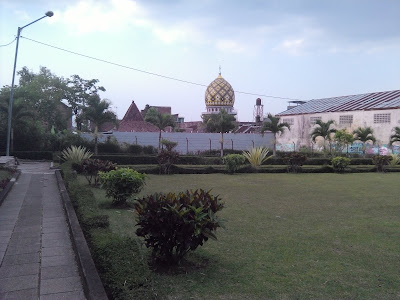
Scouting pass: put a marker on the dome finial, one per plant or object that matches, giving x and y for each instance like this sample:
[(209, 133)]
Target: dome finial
[(219, 72)]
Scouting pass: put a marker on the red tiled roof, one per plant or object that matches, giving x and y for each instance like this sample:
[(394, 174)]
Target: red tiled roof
[(136, 126), (133, 113)]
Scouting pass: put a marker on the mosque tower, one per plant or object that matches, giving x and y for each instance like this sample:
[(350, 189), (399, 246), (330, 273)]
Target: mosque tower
[(219, 95)]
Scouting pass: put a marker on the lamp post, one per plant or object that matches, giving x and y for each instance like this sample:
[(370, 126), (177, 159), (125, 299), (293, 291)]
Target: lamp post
[(48, 14)]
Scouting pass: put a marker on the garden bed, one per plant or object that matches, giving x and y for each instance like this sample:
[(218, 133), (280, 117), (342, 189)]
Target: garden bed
[(288, 236)]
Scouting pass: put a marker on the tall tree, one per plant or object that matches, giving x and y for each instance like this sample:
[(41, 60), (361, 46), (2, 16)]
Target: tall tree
[(21, 114), (396, 136), (273, 125), (43, 93), (221, 122), (364, 135), (323, 130), (78, 92), (161, 121), (98, 112)]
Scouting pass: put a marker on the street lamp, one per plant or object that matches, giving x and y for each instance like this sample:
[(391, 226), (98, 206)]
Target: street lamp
[(48, 14)]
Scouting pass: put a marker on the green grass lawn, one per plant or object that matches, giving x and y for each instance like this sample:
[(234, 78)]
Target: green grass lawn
[(288, 236)]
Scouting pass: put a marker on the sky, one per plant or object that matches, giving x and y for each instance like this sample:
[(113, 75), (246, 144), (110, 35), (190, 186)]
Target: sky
[(293, 49)]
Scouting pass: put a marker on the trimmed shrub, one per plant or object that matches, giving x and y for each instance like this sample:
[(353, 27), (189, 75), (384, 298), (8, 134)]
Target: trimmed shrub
[(149, 149), (361, 161), (90, 168), (134, 149), (339, 163), (121, 267), (121, 184), (318, 161), (167, 157), (233, 162), (33, 155), (294, 161), (381, 161), (174, 224), (395, 160), (109, 146)]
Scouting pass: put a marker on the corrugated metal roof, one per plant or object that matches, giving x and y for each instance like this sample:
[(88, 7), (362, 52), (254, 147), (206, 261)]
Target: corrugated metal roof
[(370, 101)]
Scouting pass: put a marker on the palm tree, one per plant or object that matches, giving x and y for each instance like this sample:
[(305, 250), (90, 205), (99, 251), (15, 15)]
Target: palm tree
[(161, 121), (364, 135), (97, 112), (396, 136), (323, 130), (19, 118), (272, 124), (221, 122)]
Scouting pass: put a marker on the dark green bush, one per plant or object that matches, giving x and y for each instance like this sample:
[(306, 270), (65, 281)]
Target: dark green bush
[(90, 168), (121, 267), (33, 155), (233, 162), (174, 224), (119, 261), (318, 161), (381, 161), (109, 146), (166, 158), (121, 184), (129, 159), (149, 150), (294, 161), (134, 149), (361, 161), (339, 163)]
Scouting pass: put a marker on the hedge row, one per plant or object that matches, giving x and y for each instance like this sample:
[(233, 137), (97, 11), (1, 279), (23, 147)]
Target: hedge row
[(122, 159), (122, 269), (209, 169), (207, 160), (33, 155)]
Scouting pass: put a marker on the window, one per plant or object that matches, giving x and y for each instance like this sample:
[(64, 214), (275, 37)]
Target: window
[(381, 118), (313, 120), (348, 119), (290, 121)]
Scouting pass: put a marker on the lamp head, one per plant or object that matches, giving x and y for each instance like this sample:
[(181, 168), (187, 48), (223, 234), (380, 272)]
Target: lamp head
[(49, 13)]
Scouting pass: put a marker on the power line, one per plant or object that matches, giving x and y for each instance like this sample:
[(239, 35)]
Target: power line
[(8, 43), (147, 72)]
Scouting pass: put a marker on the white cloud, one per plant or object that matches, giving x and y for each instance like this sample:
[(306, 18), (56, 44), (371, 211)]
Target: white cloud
[(292, 46), (87, 16), (227, 45)]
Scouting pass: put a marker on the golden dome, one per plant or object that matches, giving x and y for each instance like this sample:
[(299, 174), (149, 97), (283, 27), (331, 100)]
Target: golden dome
[(220, 93)]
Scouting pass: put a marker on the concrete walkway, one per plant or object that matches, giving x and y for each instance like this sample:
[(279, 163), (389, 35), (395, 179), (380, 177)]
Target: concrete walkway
[(36, 256)]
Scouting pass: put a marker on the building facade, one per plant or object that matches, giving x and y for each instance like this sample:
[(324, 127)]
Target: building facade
[(380, 111)]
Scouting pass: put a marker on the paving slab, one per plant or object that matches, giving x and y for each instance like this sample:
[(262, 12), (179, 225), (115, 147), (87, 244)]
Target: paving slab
[(37, 260)]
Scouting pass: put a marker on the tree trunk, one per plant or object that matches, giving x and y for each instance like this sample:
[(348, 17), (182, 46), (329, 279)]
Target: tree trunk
[(222, 144), (95, 140), (12, 141), (159, 141), (274, 148)]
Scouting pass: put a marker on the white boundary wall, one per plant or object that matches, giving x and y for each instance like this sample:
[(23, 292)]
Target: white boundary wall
[(192, 143)]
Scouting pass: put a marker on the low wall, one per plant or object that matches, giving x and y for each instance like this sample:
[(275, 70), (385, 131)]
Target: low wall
[(192, 142)]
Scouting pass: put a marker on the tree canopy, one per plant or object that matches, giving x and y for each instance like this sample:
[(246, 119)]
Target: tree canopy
[(273, 125), (161, 121), (323, 130), (219, 123)]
